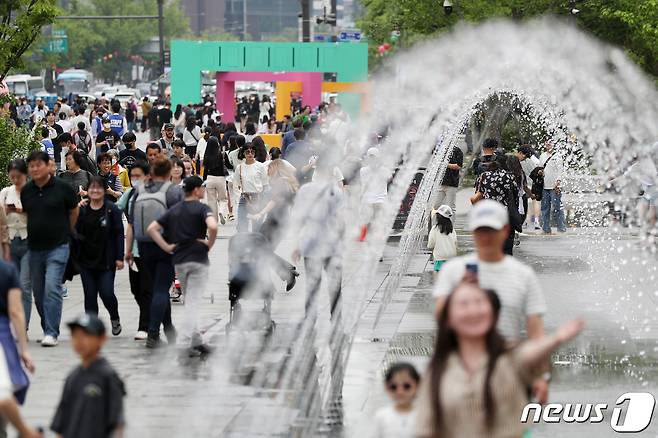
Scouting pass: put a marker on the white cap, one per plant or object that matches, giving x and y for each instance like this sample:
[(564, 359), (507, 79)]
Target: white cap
[(373, 152), (445, 211), (488, 213)]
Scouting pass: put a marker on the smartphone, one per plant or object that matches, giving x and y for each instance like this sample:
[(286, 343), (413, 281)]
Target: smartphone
[(472, 268)]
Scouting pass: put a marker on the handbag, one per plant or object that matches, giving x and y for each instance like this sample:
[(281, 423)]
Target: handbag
[(515, 218), (537, 188)]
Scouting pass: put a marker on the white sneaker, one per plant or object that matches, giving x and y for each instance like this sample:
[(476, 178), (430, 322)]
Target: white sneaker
[(141, 336), (48, 341)]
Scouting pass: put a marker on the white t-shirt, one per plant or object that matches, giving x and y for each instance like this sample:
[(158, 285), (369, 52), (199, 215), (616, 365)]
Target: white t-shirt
[(444, 246), (390, 423), (251, 178), (552, 169), (201, 148), (528, 165), (515, 283), (375, 185)]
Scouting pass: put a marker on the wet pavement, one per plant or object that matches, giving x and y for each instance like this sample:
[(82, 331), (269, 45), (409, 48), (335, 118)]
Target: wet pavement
[(600, 274)]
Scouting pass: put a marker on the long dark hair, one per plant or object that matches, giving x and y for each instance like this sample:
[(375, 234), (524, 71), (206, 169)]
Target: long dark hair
[(446, 344), (213, 156), (444, 224), (514, 167), (179, 109), (260, 149)]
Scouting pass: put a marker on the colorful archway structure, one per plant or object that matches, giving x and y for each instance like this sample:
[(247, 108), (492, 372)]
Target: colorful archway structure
[(303, 63)]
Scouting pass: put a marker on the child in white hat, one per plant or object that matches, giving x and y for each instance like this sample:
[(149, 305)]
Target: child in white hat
[(442, 238)]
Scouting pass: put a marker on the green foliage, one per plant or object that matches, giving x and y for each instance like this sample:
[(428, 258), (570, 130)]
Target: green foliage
[(213, 34), (20, 26), (630, 24), (14, 143), (108, 47)]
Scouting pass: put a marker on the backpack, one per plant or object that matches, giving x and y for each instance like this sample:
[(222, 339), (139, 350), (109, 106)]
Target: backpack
[(147, 208)]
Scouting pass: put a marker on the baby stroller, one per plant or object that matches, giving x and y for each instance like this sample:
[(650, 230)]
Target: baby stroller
[(249, 256)]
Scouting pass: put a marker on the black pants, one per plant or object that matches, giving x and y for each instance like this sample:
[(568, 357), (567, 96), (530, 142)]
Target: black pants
[(161, 269), (141, 288), (509, 243)]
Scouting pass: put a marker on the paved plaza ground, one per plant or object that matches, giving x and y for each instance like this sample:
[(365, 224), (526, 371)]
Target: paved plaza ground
[(581, 273)]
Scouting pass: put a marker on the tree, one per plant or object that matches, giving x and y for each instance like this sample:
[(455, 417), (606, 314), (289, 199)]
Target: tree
[(630, 24), (20, 26), (110, 47)]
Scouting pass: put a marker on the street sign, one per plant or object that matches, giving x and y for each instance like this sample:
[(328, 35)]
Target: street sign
[(321, 38), (58, 42), (167, 58), (346, 36)]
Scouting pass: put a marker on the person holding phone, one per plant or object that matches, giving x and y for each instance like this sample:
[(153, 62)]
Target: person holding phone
[(521, 297), (10, 200)]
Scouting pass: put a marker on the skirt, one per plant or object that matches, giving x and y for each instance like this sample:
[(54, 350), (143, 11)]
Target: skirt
[(19, 380)]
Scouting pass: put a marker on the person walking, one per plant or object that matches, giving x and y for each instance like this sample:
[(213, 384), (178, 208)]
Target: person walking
[(442, 239), (250, 179), (138, 276), (498, 183), (552, 194), (191, 137), (523, 302), (100, 238), (374, 181), (14, 354), (215, 173), (447, 193), (52, 211), (191, 232), (75, 176), (530, 162), (151, 200), (10, 200)]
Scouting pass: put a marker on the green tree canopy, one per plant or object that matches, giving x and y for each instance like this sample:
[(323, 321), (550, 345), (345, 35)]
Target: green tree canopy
[(109, 47), (630, 24), (20, 26)]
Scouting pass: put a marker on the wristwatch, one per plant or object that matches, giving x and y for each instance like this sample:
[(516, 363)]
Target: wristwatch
[(547, 376)]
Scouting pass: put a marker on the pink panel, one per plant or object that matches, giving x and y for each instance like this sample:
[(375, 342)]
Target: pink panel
[(225, 97)]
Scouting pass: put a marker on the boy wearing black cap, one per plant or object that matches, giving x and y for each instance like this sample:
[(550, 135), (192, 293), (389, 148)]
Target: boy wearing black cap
[(130, 155), (92, 399), (186, 225)]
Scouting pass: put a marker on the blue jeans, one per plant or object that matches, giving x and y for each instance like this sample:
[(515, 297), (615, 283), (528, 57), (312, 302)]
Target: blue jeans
[(552, 201), (19, 256), (160, 267), (243, 220), (95, 283), (47, 272)]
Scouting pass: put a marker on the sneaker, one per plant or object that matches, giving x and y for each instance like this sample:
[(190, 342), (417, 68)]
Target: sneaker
[(221, 219), (153, 341), (65, 292), (116, 327), (48, 341), (171, 335), (141, 335)]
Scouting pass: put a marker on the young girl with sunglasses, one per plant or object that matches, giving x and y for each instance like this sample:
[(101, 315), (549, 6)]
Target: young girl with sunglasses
[(398, 420)]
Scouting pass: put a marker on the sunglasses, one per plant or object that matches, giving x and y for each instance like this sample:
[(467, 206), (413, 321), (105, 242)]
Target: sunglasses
[(394, 387), (249, 151)]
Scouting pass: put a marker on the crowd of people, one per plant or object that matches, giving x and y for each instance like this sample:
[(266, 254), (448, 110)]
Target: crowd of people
[(92, 202)]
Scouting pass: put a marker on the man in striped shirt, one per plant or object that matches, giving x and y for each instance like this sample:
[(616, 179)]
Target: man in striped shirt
[(517, 286)]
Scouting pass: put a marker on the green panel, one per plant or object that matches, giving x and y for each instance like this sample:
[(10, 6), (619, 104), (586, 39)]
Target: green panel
[(306, 58), (257, 58), (188, 58), (231, 58), (281, 58), (210, 57)]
